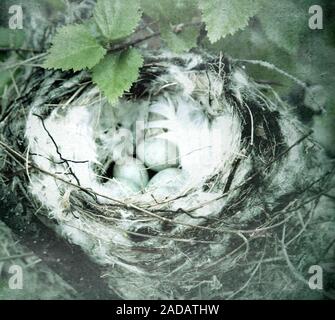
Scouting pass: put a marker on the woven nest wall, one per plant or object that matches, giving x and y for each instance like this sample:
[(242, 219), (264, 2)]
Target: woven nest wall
[(237, 200)]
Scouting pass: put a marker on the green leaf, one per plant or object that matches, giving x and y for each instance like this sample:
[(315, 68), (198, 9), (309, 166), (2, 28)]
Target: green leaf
[(116, 73), (117, 19), (223, 17), (74, 48), (175, 18), (284, 23), (11, 38)]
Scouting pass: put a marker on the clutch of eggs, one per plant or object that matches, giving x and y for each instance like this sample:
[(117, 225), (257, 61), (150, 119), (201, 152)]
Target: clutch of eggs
[(179, 146)]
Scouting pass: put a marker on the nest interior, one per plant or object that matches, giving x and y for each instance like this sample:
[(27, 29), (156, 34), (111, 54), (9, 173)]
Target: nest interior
[(252, 177)]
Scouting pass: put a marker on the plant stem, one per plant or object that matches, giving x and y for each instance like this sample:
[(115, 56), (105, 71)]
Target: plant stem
[(126, 45), (122, 46), (18, 256)]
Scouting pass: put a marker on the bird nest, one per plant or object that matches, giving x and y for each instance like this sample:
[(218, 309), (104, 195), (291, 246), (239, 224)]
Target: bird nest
[(244, 171)]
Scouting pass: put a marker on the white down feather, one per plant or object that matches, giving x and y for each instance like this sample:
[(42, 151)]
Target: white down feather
[(204, 146)]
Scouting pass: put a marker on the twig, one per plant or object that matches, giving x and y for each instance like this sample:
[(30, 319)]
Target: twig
[(18, 256), (250, 278), (122, 46), (66, 161), (329, 247), (329, 196), (148, 236), (271, 66), (231, 175), (20, 63), (297, 275), (252, 125), (15, 84)]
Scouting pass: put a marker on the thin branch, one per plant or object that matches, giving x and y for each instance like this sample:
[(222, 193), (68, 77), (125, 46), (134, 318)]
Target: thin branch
[(122, 46), (271, 66), (291, 267), (329, 196), (66, 161), (252, 125), (18, 256)]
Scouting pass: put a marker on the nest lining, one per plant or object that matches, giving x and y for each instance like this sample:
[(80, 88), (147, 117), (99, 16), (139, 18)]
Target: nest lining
[(194, 240)]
